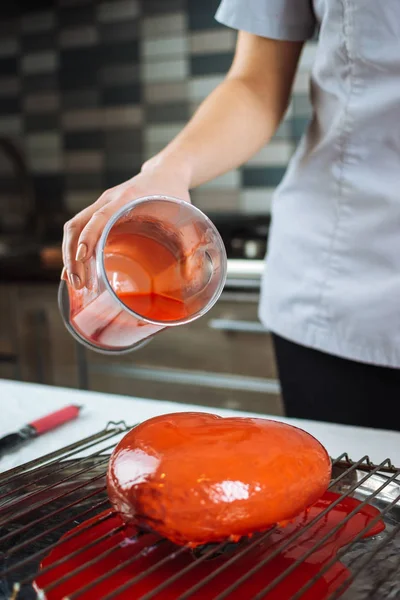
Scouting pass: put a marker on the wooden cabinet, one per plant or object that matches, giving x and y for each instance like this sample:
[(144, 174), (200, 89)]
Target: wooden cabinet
[(224, 359), (9, 356), (45, 352), (228, 339), (7, 319)]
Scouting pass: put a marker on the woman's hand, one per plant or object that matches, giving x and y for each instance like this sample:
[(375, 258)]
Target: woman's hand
[(82, 233)]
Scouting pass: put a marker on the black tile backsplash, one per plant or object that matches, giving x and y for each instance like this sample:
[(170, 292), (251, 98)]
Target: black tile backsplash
[(116, 74), (70, 16), (80, 59), (118, 32), (121, 94), (78, 140), (113, 178), (49, 187), (263, 176), (125, 51), (37, 122), (167, 113), (126, 139), (70, 79), (10, 105), (151, 7), (38, 82), (8, 65), (84, 181), (81, 98), (38, 41), (209, 64), (90, 89)]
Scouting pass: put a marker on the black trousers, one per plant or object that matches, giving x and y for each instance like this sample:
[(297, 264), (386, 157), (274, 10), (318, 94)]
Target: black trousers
[(322, 387)]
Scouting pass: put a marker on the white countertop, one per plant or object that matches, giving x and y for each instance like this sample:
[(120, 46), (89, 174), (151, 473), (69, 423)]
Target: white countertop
[(23, 402)]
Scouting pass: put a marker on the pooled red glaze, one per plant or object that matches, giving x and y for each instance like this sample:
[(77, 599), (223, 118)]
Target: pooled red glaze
[(91, 567), (197, 478)]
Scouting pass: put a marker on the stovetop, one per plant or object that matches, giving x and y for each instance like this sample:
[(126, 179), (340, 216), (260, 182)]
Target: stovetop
[(244, 236)]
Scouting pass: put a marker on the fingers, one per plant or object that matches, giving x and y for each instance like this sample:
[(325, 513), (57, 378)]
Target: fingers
[(93, 228), (90, 234), (73, 254), (75, 269), (82, 233), (73, 228)]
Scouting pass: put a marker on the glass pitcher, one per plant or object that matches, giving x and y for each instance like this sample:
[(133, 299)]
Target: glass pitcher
[(160, 262)]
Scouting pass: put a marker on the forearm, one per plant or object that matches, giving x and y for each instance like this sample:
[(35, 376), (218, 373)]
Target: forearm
[(239, 117), (232, 124)]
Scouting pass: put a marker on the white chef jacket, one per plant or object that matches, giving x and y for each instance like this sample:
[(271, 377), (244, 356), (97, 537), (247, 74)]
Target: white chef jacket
[(332, 274)]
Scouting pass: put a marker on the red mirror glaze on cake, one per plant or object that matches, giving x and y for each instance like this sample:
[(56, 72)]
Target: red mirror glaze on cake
[(196, 478)]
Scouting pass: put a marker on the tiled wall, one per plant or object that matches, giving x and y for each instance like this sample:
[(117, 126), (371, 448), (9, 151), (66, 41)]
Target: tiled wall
[(92, 88)]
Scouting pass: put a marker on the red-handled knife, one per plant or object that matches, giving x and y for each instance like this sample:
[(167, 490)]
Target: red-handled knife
[(39, 426)]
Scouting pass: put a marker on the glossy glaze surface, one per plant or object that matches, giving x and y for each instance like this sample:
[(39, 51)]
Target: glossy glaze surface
[(155, 306), (196, 478), (120, 557), (139, 264)]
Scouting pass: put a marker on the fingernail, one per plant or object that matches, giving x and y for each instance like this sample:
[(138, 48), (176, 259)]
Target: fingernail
[(63, 274), (81, 252), (75, 281)]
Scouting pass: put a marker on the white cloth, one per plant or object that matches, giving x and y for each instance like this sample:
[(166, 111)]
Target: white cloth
[(332, 277)]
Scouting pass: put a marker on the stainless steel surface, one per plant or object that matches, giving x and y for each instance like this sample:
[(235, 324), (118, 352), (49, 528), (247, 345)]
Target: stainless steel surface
[(236, 326), (47, 497), (245, 269), (207, 380), (244, 274)]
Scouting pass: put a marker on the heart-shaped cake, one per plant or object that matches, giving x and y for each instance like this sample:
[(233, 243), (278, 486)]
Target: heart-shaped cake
[(197, 478)]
